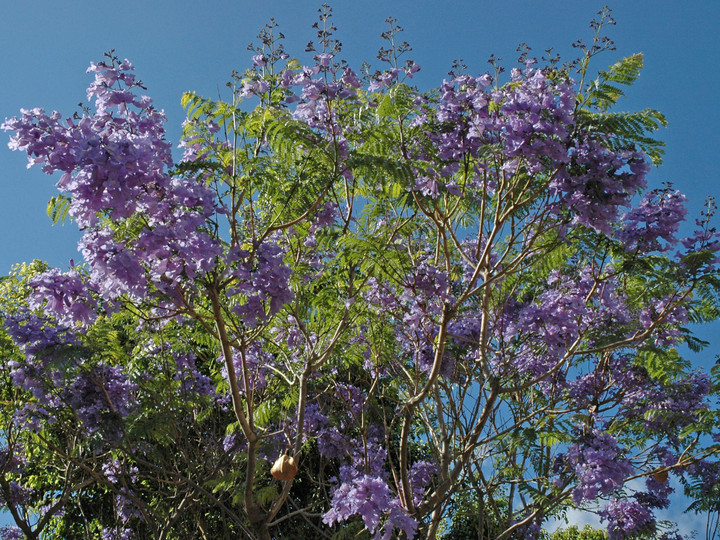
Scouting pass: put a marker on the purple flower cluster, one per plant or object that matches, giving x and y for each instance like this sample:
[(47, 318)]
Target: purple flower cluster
[(321, 87), (599, 466), (627, 518), (657, 217), (353, 400), (101, 397), (192, 381), (423, 293), (556, 318), (256, 359), (536, 117), (117, 533), (114, 470), (332, 443), (421, 474), (43, 344), (18, 495), (261, 282), (58, 378), (363, 490), (64, 297), (657, 494), (530, 116), (597, 182), (665, 407), (11, 532), (114, 166), (314, 419)]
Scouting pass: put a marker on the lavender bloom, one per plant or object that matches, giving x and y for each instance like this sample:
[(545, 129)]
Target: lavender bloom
[(11, 532), (100, 397), (64, 297), (117, 533), (193, 381), (602, 182), (314, 420), (658, 216), (113, 166), (369, 497), (627, 518), (599, 466), (421, 474), (552, 323), (18, 495), (256, 361), (365, 495), (323, 59), (113, 470), (262, 282), (113, 267), (363, 490), (352, 398), (42, 343), (332, 444), (666, 408)]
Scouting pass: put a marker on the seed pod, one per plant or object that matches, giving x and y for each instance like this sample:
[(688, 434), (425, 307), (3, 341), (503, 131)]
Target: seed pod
[(284, 468), (661, 475)]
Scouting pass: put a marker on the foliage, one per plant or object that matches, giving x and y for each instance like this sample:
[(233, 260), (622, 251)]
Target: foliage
[(575, 533), (459, 310)]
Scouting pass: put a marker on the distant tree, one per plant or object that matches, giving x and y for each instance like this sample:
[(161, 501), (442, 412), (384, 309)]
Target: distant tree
[(575, 533), (457, 311)]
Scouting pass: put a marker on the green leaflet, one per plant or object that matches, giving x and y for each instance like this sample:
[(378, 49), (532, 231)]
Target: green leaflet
[(58, 208)]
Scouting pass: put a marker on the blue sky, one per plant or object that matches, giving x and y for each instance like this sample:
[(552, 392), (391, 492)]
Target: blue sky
[(179, 45)]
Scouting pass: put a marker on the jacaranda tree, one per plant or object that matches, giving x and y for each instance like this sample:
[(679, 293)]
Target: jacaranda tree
[(453, 313)]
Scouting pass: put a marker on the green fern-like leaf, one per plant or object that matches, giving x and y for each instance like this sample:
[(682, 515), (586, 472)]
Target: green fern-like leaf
[(58, 208), (605, 91), (627, 130)]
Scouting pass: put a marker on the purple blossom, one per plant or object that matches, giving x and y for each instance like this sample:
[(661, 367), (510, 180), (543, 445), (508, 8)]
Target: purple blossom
[(323, 59), (113, 267), (666, 408), (657, 217), (255, 359), (101, 397), (601, 182), (192, 380), (18, 494), (314, 419), (352, 398), (363, 490), (332, 444), (350, 79), (114, 166), (599, 466), (657, 494), (369, 497), (11, 532), (366, 495), (117, 533), (626, 519), (64, 297), (421, 474), (262, 282)]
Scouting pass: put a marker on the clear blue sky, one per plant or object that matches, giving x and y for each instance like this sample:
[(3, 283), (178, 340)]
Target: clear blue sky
[(179, 45)]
